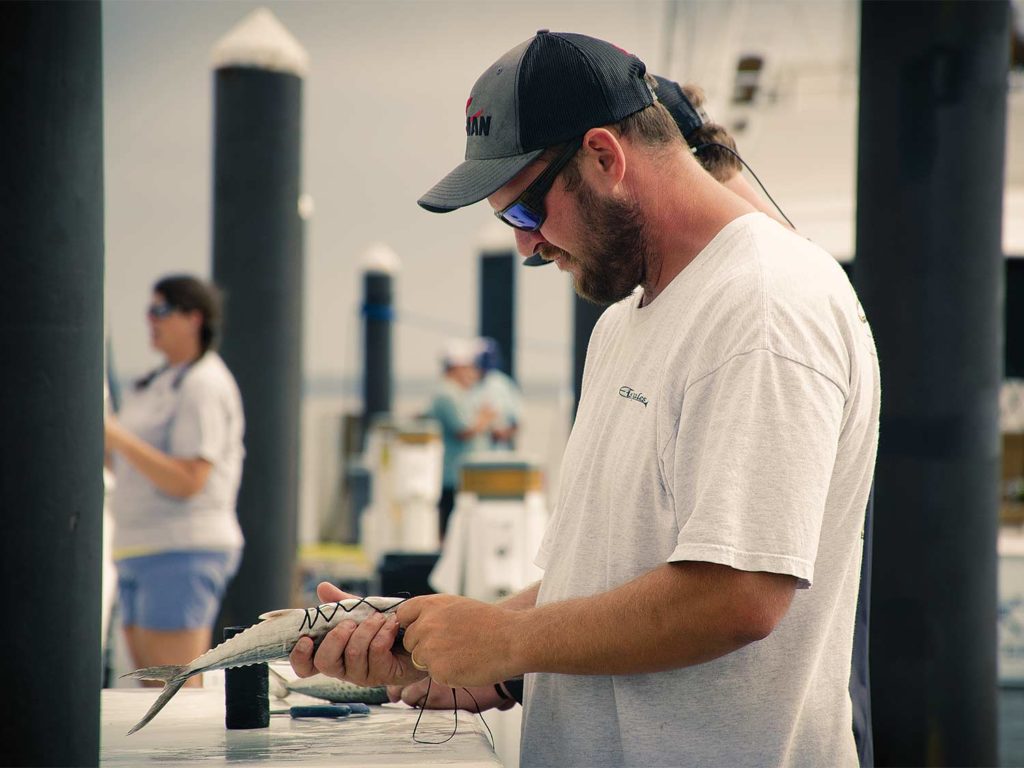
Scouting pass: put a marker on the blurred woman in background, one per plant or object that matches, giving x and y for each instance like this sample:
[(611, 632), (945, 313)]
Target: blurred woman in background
[(177, 454), (465, 420)]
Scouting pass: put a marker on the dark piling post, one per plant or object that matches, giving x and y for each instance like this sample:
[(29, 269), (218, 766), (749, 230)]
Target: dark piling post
[(258, 263), (584, 317), (380, 264), (51, 390), (930, 274), (497, 297)]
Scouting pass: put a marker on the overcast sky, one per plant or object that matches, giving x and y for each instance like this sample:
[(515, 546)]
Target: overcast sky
[(384, 119)]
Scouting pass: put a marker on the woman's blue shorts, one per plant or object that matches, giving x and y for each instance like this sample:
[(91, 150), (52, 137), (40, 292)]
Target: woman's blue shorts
[(174, 590)]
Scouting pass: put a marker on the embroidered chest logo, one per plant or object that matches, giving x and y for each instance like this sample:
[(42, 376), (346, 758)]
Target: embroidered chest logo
[(477, 124), (631, 394)]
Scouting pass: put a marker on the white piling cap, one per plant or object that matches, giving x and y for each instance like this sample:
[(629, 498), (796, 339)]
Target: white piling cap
[(380, 258), (262, 42), (496, 237)]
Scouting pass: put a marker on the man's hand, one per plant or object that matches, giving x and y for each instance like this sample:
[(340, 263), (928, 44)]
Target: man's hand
[(360, 653), (470, 699), (462, 642)]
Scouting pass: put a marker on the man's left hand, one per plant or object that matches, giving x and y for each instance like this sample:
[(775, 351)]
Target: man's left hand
[(462, 642)]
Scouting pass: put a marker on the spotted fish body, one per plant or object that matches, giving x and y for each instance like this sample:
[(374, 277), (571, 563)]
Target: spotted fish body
[(330, 688), (271, 639)]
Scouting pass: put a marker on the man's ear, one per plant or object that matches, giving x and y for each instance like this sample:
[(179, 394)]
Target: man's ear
[(604, 159)]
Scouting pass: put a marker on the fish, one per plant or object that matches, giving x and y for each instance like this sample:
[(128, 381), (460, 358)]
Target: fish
[(271, 639), (330, 688)]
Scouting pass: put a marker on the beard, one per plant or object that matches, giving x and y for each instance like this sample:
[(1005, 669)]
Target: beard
[(613, 259)]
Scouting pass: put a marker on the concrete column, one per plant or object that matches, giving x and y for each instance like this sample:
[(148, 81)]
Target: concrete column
[(258, 263), (929, 271), (497, 297), (51, 389), (380, 265)]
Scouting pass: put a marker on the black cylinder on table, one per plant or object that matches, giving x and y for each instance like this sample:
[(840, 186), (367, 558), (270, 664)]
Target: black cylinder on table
[(246, 693)]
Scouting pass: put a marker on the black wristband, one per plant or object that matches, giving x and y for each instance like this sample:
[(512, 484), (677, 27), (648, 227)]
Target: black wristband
[(515, 688), (501, 692)]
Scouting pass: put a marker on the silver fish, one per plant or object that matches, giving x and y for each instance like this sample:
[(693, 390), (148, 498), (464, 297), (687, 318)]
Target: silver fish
[(329, 688), (271, 639)]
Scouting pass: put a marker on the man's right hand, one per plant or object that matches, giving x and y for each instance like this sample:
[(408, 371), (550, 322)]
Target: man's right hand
[(360, 653), (477, 699)]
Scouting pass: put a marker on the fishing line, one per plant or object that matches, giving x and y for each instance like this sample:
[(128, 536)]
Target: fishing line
[(312, 614), (422, 704), (750, 170), (479, 712)]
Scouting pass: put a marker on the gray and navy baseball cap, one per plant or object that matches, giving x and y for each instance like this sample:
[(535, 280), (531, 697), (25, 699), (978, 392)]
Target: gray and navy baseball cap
[(554, 87)]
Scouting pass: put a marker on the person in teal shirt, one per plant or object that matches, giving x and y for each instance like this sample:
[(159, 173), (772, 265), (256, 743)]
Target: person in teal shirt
[(465, 419)]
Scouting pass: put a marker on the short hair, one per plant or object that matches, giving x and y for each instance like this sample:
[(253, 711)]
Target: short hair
[(190, 294), (652, 126), (719, 162)]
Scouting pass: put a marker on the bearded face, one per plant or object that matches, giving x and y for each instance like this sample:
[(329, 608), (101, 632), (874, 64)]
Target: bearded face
[(612, 260)]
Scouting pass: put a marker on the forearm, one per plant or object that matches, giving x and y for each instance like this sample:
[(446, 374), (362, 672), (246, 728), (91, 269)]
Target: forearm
[(474, 428), (677, 615), (171, 475)]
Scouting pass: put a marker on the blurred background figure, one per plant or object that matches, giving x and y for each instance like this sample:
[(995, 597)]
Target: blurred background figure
[(176, 448), (466, 420), (500, 392)]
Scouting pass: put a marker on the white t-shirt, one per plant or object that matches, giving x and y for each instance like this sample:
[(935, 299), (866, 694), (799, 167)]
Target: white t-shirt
[(189, 414), (733, 420)]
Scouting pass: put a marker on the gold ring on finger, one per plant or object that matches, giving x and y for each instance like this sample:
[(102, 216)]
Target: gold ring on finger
[(420, 667)]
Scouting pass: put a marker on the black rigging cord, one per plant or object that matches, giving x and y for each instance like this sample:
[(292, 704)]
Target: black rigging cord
[(750, 170), (455, 711)]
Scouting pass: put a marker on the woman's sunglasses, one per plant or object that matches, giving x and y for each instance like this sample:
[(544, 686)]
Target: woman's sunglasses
[(156, 311)]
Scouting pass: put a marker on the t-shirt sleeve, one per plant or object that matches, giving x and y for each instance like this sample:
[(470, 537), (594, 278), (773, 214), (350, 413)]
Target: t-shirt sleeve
[(454, 417), (544, 551), (752, 464), (199, 429)]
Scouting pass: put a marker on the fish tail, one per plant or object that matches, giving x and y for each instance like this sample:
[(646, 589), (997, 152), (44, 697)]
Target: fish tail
[(165, 673), (172, 685)]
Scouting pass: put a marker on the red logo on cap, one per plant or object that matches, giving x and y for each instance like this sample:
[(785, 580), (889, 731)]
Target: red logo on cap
[(477, 124)]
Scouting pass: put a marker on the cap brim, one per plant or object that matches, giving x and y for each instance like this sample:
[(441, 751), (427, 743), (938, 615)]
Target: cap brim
[(536, 260), (474, 180)]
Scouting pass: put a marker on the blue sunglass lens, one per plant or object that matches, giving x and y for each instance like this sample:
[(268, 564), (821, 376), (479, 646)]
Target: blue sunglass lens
[(521, 217), (159, 310)]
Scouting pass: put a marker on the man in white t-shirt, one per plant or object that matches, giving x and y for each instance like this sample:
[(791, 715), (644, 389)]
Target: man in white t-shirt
[(702, 564)]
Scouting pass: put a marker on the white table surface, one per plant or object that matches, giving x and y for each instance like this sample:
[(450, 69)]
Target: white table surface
[(190, 729)]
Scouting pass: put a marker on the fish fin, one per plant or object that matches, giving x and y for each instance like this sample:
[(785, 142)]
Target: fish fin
[(171, 688), (278, 684), (275, 614), (165, 673)]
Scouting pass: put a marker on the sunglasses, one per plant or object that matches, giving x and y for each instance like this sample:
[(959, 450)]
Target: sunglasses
[(527, 212), (157, 311)]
